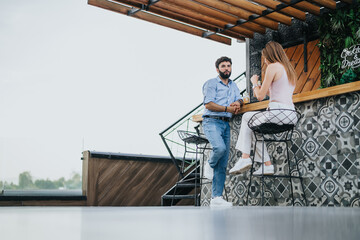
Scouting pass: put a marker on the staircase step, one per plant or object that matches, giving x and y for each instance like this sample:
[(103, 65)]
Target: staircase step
[(192, 175), (179, 196), (187, 185)]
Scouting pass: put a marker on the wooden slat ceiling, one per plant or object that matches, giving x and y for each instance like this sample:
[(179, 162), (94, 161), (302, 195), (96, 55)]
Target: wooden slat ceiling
[(219, 20)]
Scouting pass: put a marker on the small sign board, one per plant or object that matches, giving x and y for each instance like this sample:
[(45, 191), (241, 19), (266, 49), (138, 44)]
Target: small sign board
[(351, 57)]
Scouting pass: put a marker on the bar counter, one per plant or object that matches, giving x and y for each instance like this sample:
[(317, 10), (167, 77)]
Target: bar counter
[(326, 142)]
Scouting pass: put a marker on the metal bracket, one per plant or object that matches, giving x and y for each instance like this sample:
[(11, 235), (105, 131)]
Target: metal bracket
[(207, 34), (305, 31), (133, 10)]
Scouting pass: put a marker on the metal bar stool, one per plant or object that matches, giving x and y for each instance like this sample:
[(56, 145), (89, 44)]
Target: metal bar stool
[(201, 144), (275, 125)]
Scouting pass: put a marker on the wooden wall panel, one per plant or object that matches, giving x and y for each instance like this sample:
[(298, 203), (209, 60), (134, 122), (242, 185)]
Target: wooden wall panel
[(127, 182), (312, 77), (313, 54), (297, 59), (306, 81)]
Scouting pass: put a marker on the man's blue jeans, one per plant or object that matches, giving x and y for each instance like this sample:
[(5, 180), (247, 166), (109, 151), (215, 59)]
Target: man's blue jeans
[(218, 134)]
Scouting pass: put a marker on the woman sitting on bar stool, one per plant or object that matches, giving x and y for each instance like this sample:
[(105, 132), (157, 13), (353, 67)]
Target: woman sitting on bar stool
[(279, 84)]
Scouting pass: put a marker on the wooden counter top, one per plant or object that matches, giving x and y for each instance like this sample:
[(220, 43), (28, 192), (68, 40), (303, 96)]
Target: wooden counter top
[(301, 97)]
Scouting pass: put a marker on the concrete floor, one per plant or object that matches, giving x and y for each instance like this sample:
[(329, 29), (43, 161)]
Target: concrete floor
[(100, 223)]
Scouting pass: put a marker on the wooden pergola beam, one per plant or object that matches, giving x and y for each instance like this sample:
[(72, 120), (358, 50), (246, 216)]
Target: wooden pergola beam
[(279, 7), (158, 20), (191, 17), (194, 6), (197, 15), (257, 9), (243, 14), (325, 3), (216, 19), (195, 22), (304, 6), (290, 11)]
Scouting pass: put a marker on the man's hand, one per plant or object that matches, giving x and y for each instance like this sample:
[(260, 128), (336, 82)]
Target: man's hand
[(235, 106), (231, 109)]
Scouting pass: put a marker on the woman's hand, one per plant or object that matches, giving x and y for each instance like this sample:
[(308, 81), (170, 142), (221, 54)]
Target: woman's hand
[(254, 79)]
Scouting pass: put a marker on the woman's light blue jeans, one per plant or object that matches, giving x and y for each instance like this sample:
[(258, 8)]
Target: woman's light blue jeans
[(218, 134)]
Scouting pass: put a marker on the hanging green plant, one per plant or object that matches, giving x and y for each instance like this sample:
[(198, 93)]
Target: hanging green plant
[(348, 76), (340, 46)]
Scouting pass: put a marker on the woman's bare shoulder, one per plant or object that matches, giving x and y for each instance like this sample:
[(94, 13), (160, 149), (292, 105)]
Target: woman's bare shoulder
[(275, 66), (277, 69)]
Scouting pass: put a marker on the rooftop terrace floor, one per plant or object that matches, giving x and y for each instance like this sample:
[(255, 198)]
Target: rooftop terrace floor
[(102, 223)]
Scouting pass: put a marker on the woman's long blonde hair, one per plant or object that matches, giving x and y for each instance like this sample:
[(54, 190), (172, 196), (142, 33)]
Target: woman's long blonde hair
[(274, 52)]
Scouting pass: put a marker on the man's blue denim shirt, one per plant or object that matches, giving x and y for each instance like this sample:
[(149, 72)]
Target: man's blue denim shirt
[(216, 91)]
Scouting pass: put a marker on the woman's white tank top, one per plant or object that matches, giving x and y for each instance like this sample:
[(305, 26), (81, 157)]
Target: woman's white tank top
[(282, 91)]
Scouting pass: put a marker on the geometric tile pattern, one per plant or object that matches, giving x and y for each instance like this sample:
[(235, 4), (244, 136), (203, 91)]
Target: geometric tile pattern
[(310, 146), (326, 143)]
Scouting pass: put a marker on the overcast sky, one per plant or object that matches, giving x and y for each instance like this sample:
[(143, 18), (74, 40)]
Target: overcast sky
[(74, 77)]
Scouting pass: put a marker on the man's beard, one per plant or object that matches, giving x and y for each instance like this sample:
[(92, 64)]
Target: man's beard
[(224, 75)]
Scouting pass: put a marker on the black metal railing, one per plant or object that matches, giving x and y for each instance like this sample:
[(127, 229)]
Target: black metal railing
[(173, 143)]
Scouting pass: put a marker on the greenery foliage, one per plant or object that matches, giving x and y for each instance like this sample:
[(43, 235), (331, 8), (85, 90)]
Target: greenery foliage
[(26, 182), (338, 30)]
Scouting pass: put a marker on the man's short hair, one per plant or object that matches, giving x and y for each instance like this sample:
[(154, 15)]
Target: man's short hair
[(222, 59)]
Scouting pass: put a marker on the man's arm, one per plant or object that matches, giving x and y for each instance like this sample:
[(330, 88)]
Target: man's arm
[(218, 108)]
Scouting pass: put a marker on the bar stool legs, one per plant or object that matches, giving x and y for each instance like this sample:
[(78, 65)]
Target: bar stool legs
[(266, 126), (289, 176)]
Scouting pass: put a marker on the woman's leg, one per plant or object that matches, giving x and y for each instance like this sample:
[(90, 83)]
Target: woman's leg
[(245, 136), (244, 145), (278, 117), (258, 153)]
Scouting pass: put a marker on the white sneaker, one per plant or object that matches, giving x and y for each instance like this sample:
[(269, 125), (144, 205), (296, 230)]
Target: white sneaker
[(242, 165), (208, 171), (219, 202), (268, 170)]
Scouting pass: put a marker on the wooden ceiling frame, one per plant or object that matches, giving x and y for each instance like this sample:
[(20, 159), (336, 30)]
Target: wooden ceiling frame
[(200, 20), (230, 19), (304, 6), (278, 8), (194, 13), (240, 13), (289, 11), (116, 7), (259, 10), (220, 20), (325, 3), (190, 17)]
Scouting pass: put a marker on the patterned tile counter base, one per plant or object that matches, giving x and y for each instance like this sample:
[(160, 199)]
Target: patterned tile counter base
[(326, 143)]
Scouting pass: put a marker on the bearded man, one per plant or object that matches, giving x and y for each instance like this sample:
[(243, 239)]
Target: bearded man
[(221, 100)]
